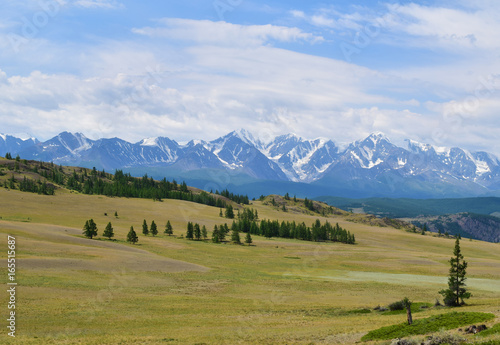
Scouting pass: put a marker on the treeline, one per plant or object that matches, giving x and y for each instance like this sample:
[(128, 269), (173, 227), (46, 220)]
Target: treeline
[(273, 228), (119, 185)]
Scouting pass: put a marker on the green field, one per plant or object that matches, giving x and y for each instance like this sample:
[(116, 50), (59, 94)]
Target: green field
[(168, 290)]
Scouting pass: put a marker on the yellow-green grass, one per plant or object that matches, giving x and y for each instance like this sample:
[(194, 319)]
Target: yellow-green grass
[(76, 290)]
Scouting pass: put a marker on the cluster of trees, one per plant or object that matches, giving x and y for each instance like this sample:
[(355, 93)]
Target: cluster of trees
[(240, 199), (194, 231), (317, 232), (309, 205), (27, 185), (90, 230)]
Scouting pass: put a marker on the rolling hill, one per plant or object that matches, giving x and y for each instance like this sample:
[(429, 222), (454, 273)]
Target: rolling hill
[(167, 289)]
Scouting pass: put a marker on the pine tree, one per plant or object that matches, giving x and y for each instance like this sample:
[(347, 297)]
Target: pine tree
[(116, 214), (456, 292), (90, 229), (108, 232), (220, 213), (168, 228), (132, 236), (215, 234), (235, 236), (154, 228), (229, 212), (197, 231), (145, 229), (204, 232), (190, 231), (248, 238)]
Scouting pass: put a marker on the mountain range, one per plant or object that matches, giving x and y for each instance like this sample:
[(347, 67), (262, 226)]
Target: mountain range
[(373, 166)]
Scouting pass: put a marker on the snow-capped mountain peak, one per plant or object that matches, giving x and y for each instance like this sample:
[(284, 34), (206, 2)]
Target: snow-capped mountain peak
[(373, 162)]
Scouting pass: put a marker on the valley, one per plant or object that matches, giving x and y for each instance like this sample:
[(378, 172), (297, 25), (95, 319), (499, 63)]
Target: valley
[(166, 289)]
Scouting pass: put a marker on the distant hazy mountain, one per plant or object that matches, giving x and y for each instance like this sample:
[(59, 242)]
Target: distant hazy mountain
[(370, 167)]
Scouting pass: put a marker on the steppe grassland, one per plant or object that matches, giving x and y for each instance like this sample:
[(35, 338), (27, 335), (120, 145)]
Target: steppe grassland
[(75, 290)]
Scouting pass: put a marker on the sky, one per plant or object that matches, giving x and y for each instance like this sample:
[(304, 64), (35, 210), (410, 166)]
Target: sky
[(198, 69)]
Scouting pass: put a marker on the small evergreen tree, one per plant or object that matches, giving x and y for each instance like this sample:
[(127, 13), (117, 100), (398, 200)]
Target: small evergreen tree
[(204, 232), (168, 228), (116, 214), (132, 236), (229, 212), (456, 292), (145, 229), (248, 238), (215, 234), (190, 231), (108, 232), (235, 236), (197, 231), (220, 213), (90, 229), (154, 228)]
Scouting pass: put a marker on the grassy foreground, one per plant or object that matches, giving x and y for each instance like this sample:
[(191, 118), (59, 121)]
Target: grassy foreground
[(167, 290)]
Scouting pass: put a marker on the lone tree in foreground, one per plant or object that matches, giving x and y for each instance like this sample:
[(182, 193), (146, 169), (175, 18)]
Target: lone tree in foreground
[(90, 229), (456, 292), (132, 236)]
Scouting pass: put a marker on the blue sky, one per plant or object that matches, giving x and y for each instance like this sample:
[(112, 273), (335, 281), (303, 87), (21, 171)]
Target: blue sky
[(424, 70)]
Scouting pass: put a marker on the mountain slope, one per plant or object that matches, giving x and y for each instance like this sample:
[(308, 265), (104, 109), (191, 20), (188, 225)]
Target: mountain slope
[(373, 166)]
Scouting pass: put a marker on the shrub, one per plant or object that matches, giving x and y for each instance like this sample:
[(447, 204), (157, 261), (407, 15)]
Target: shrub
[(444, 338), (399, 305)]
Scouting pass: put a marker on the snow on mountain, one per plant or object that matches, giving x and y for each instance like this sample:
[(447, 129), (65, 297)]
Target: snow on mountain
[(373, 161), (301, 160)]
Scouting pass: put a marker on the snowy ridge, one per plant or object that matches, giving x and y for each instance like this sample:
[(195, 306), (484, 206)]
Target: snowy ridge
[(288, 158)]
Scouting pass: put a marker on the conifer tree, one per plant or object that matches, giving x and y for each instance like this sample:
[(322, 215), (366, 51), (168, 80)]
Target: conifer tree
[(456, 292), (190, 231), (229, 212), (90, 229), (132, 236), (248, 238), (168, 228), (204, 232), (235, 236), (197, 231), (108, 232), (154, 228), (215, 234), (145, 229)]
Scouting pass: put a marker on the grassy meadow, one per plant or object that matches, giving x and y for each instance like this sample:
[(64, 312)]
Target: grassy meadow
[(168, 290)]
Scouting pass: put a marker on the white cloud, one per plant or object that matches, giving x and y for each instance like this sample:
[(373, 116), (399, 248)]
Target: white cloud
[(103, 4), (443, 27), (223, 33)]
